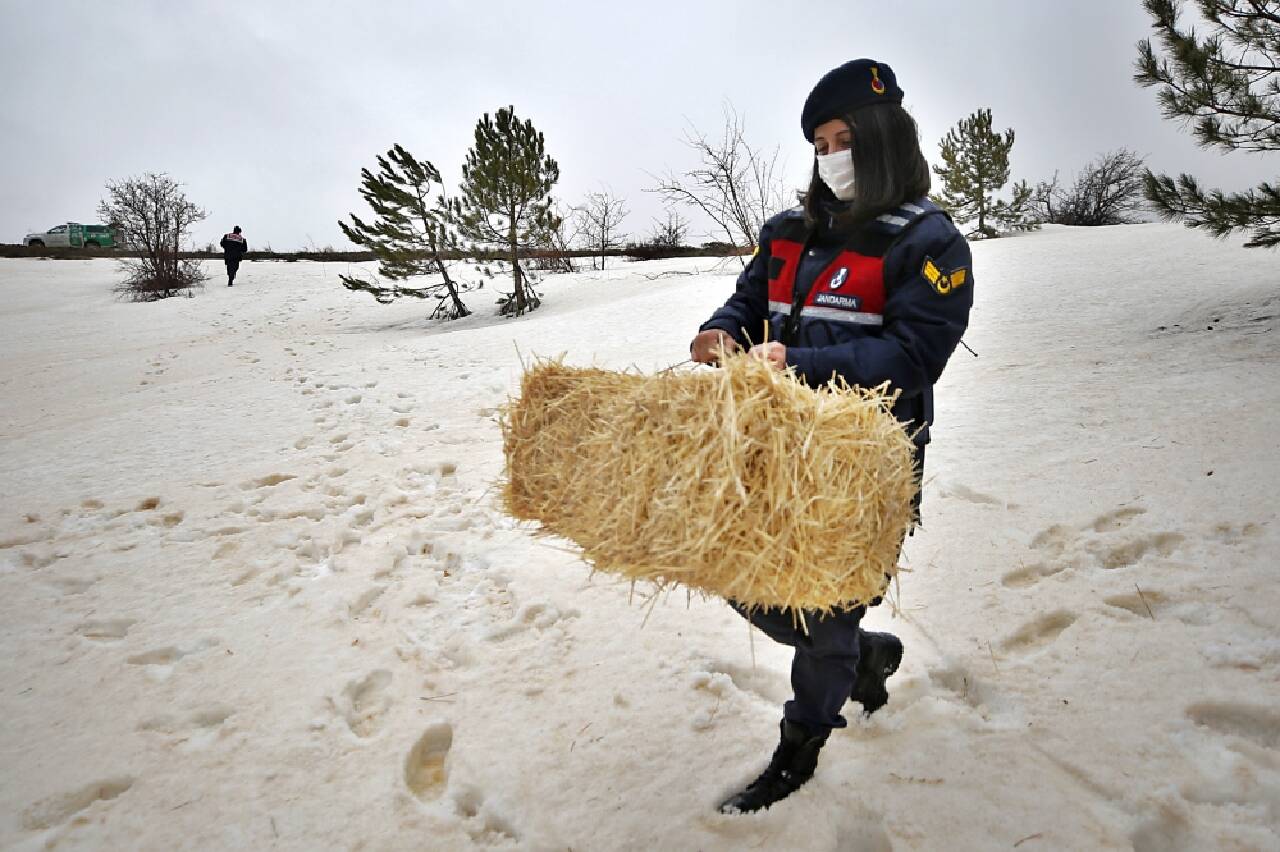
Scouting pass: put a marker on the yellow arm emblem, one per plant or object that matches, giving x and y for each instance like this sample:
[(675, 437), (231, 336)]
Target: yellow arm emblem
[(943, 282)]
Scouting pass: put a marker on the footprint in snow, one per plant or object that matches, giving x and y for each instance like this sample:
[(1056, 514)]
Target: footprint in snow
[(426, 769), (364, 703), (1039, 632), (60, 808), (361, 605), (268, 481), (964, 492), (1029, 575), (958, 680), (207, 719), (1105, 541), (1132, 551), (1257, 724), (1229, 533), (70, 585), (169, 655), (484, 823), (765, 684), (1115, 520), (538, 616), (1145, 602), (107, 630)]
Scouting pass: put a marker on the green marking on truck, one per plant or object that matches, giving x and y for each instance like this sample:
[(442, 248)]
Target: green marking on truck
[(75, 235)]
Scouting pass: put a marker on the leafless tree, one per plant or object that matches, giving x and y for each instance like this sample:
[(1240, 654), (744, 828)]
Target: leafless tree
[(734, 184), (156, 218), (671, 233), (599, 217), (1105, 192), (556, 236)]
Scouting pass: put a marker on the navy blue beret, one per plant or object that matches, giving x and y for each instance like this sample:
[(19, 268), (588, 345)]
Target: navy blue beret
[(854, 84)]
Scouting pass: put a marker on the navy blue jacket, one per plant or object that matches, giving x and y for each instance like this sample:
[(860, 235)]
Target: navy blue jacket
[(233, 246), (928, 291)]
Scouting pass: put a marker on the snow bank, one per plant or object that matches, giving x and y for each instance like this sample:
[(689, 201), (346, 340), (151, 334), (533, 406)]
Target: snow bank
[(254, 590)]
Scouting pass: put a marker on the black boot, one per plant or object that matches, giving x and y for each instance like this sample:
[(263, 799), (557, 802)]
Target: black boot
[(879, 655), (793, 763)]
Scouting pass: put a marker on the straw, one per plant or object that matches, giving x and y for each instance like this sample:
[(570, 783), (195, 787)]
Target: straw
[(741, 482)]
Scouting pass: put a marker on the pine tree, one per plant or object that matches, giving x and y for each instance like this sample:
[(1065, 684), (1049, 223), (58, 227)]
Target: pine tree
[(1227, 86), (506, 207), (975, 167), (411, 234), (555, 237), (1020, 212)]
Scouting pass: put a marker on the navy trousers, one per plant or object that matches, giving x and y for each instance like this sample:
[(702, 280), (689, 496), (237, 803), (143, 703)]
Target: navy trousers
[(825, 664)]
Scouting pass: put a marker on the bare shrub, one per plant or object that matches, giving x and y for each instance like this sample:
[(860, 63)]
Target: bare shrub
[(1105, 192), (734, 184), (599, 218), (670, 233), (157, 217)]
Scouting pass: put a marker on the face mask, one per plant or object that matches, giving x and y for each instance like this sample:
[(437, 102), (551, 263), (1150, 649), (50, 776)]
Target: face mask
[(836, 171)]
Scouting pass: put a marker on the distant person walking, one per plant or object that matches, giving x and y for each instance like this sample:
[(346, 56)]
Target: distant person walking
[(233, 248)]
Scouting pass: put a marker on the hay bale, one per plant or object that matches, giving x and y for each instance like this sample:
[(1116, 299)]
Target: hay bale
[(740, 482)]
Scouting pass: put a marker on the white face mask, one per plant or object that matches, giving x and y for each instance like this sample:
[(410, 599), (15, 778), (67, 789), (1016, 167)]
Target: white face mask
[(836, 171)]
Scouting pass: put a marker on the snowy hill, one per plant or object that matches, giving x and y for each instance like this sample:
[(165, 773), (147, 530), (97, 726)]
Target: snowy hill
[(255, 592)]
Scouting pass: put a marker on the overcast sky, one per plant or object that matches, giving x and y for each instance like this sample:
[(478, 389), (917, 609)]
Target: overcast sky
[(267, 111)]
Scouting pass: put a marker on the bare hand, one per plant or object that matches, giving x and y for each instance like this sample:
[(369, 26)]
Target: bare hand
[(773, 352), (707, 346)]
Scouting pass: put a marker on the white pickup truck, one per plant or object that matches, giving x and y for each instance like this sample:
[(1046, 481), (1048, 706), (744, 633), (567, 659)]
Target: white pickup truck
[(74, 235)]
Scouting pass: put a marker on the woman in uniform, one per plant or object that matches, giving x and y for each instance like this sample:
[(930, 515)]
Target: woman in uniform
[(869, 281)]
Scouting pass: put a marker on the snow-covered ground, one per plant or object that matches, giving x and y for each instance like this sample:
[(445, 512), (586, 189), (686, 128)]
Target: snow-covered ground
[(255, 592)]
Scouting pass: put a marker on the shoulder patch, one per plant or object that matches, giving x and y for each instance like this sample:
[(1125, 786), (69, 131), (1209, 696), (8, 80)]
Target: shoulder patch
[(944, 283)]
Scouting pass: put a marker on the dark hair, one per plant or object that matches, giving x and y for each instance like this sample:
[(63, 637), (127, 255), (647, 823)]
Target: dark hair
[(236, 229), (889, 169)]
